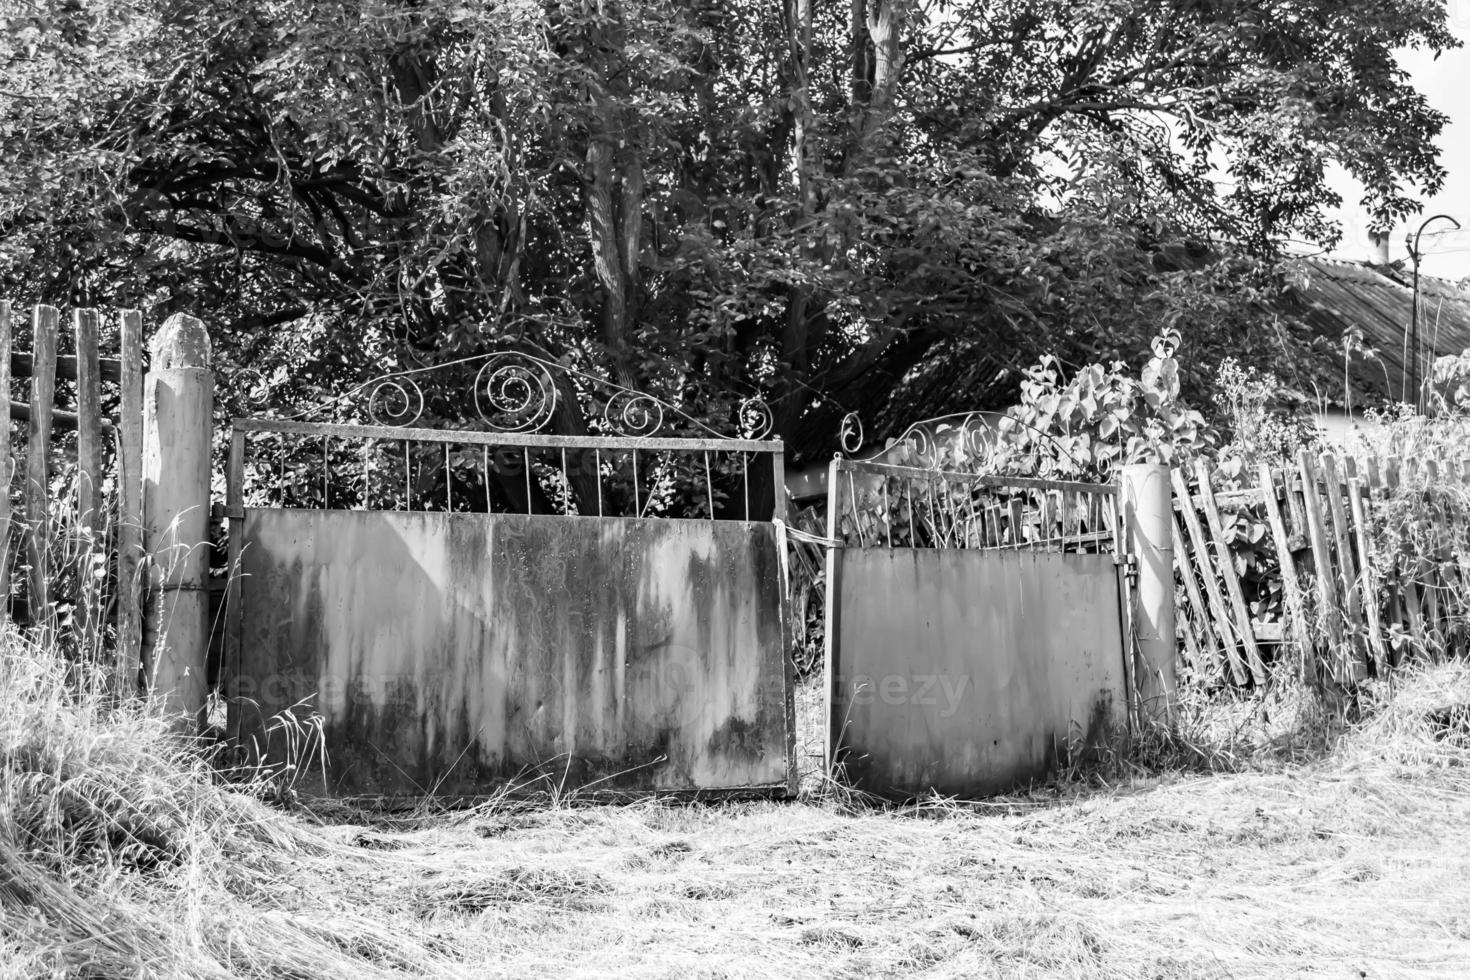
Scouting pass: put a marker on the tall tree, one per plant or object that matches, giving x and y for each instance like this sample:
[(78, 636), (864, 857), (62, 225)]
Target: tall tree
[(879, 204)]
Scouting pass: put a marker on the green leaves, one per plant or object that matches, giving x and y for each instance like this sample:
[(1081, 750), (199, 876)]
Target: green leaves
[(1102, 418)]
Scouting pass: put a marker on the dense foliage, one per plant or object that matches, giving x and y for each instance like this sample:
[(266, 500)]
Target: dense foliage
[(882, 205)]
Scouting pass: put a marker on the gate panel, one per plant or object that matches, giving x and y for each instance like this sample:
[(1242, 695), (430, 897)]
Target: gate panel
[(975, 627), (974, 667), (450, 652)]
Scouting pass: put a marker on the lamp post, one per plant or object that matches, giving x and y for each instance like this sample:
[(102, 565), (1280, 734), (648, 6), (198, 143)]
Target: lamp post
[(1416, 255)]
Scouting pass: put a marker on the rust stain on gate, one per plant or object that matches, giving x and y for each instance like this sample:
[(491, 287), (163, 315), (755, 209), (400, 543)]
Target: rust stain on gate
[(451, 652), (977, 671), (975, 627)]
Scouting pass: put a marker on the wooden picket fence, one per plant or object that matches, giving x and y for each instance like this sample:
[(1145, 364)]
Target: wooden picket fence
[(107, 446), (1352, 610)]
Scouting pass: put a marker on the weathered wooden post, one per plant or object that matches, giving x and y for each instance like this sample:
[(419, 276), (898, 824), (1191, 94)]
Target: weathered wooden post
[(178, 403), (1148, 520)]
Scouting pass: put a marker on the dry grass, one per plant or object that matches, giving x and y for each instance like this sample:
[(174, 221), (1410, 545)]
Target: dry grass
[(1348, 866)]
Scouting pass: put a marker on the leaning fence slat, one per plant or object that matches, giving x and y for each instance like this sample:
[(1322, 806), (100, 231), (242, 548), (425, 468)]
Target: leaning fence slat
[(1227, 572), (130, 506), (1291, 585), (38, 458), (1442, 573), (7, 463), (1211, 647), (1360, 507), (1201, 548), (1320, 550), (1347, 576)]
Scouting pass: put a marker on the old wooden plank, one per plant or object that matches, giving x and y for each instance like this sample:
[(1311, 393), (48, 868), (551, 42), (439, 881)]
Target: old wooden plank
[(22, 365), (1329, 612), (1233, 590), (1347, 574), (61, 419), (45, 325), (89, 478), (1291, 585), (1228, 629), (1442, 574), (1360, 502), (1267, 632), (1209, 643), (7, 461), (89, 421), (130, 506)]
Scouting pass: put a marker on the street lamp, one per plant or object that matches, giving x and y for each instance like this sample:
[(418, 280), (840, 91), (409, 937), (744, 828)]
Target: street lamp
[(1416, 255)]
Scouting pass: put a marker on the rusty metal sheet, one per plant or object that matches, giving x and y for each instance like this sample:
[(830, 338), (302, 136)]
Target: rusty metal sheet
[(969, 672), (449, 653)]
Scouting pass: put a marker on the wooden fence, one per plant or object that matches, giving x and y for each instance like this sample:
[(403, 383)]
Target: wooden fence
[(100, 400), (1306, 557)]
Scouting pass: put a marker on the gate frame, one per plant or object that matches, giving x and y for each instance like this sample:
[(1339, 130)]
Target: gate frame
[(1132, 502), (235, 510)]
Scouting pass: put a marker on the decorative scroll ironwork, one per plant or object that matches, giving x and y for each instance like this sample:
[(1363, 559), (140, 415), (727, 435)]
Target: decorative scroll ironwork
[(632, 413), (755, 419), (962, 441), (517, 392), (395, 401), (850, 433)]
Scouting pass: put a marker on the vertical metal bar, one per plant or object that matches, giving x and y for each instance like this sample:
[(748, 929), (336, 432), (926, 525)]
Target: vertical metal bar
[(326, 474), (887, 512), (235, 513), (637, 504), (709, 486), (407, 479), (526, 464), (857, 518), (933, 520), (778, 481), (597, 453), (448, 481), (485, 455), (908, 489), (566, 484), (972, 528), (745, 478)]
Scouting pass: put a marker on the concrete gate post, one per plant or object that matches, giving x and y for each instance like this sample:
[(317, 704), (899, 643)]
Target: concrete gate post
[(1147, 500)]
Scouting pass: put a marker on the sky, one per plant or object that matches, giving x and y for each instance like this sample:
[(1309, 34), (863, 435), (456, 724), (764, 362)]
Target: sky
[(1446, 83)]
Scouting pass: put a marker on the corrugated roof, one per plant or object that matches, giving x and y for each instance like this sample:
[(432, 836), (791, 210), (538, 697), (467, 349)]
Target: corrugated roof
[(1337, 296)]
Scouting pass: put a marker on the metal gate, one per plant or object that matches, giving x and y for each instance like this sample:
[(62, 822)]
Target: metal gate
[(975, 627), (450, 612)]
